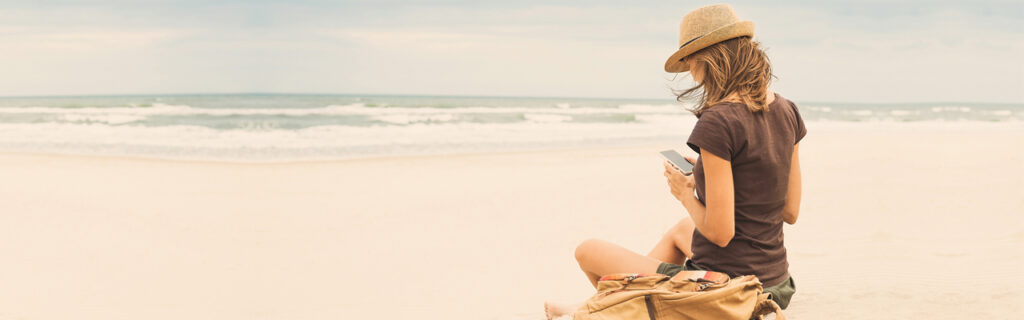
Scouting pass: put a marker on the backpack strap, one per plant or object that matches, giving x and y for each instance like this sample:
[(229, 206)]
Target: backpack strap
[(765, 306)]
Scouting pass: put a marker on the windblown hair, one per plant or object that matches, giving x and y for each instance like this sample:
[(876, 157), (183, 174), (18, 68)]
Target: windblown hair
[(736, 65)]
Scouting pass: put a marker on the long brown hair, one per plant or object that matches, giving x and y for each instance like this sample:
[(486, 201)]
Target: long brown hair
[(735, 65)]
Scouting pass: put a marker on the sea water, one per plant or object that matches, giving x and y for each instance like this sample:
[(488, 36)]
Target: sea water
[(283, 127)]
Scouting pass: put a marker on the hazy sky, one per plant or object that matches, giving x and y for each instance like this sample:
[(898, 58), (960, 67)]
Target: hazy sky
[(888, 51)]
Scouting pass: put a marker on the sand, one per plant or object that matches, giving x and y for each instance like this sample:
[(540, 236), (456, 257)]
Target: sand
[(899, 221)]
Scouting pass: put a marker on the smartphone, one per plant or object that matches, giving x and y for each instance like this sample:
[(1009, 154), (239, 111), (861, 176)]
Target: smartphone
[(677, 159)]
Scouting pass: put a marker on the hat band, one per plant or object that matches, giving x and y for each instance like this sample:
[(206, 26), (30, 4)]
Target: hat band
[(691, 40)]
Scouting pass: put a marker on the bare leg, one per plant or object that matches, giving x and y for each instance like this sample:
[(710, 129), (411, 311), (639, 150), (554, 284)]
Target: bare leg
[(674, 246), (597, 258)]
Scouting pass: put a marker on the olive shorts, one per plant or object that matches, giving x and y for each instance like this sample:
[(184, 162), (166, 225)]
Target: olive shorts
[(781, 293)]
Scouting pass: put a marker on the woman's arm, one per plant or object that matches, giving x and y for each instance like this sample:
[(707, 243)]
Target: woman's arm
[(792, 209), (716, 221)]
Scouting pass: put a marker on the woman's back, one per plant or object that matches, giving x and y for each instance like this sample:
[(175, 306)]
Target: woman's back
[(759, 146), (751, 156)]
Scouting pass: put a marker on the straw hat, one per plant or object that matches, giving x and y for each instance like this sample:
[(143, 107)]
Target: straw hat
[(703, 27)]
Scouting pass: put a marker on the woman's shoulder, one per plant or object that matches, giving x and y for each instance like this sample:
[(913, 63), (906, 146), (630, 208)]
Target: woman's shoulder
[(781, 101), (718, 112), (788, 107)]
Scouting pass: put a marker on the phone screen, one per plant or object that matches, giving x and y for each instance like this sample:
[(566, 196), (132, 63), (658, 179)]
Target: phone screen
[(678, 160)]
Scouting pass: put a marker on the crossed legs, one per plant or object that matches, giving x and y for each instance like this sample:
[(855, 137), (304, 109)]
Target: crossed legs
[(598, 258)]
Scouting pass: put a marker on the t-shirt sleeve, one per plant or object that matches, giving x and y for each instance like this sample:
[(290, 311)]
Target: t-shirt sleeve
[(801, 130), (711, 134)]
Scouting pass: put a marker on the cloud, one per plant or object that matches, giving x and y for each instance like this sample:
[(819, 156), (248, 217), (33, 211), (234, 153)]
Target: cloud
[(831, 51)]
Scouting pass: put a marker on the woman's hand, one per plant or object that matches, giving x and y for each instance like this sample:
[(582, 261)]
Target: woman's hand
[(681, 185)]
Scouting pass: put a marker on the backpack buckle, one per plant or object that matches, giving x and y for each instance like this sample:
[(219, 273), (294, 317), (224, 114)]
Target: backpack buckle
[(629, 279)]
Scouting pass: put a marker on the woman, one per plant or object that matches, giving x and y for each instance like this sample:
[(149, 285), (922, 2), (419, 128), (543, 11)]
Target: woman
[(747, 175)]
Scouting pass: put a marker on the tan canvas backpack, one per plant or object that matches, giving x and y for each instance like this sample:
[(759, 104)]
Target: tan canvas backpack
[(687, 295)]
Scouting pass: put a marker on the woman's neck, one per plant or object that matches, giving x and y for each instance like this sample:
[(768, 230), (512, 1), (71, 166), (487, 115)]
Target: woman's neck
[(735, 97)]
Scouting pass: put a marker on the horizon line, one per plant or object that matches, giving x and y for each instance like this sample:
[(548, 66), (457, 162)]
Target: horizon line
[(268, 93)]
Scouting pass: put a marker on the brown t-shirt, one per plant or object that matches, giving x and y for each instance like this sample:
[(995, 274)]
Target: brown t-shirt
[(760, 148)]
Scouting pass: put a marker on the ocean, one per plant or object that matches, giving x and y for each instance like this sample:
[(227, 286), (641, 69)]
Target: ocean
[(289, 127)]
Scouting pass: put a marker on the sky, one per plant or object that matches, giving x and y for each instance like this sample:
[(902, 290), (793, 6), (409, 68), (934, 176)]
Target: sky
[(835, 51)]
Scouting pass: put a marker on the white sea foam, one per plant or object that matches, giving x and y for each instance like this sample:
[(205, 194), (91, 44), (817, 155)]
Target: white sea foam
[(263, 141), (191, 139), (547, 117), (623, 109), (651, 108), (414, 118), (681, 120), (103, 118), (951, 108), (267, 126)]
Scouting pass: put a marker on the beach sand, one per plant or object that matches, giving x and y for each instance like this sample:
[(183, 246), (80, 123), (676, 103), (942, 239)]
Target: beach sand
[(899, 221)]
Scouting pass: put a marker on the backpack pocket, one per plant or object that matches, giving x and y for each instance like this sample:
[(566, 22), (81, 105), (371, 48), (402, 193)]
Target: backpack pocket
[(628, 305), (735, 299)]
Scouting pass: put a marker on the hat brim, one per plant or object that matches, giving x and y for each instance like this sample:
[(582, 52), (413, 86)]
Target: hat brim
[(734, 30)]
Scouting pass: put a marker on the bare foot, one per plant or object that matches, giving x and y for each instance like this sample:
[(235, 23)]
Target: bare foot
[(555, 310)]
